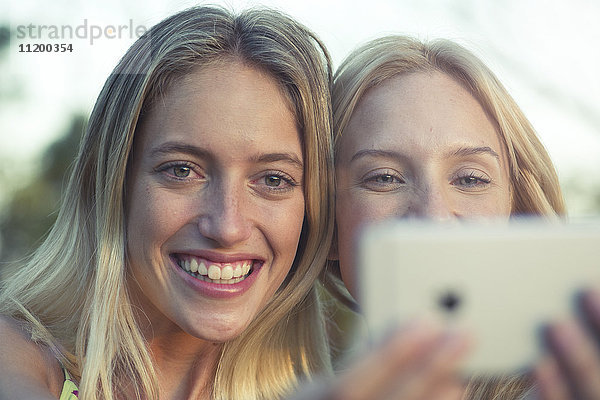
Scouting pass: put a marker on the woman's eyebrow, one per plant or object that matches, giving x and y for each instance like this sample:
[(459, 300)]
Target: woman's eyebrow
[(177, 147), (290, 158), (460, 152), (469, 151), (375, 153), (184, 148)]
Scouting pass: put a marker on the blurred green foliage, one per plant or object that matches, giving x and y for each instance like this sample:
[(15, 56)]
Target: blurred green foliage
[(4, 37), (32, 209)]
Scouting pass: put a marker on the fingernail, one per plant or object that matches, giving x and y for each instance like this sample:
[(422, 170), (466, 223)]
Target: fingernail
[(545, 371), (566, 334), (592, 298)]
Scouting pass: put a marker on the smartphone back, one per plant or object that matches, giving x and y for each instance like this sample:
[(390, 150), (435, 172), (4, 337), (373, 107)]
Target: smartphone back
[(501, 281)]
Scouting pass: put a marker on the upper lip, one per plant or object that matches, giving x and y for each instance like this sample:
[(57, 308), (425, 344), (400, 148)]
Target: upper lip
[(220, 257)]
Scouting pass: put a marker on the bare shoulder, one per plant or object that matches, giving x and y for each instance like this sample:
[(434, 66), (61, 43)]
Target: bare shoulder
[(27, 370)]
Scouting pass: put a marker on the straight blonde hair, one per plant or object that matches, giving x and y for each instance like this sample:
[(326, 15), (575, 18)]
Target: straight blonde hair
[(72, 293)]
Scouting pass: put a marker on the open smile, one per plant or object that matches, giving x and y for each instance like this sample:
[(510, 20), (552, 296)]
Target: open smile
[(227, 273)]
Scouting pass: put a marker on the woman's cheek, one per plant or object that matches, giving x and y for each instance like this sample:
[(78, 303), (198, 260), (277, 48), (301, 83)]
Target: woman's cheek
[(354, 212)]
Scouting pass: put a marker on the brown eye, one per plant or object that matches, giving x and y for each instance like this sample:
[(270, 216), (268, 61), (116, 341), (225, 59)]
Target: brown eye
[(181, 171)]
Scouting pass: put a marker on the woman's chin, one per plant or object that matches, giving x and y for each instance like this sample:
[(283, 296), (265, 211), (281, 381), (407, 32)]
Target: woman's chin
[(216, 331)]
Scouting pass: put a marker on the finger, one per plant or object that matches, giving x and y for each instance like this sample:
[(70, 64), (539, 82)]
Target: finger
[(549, 381), (452, 390), (577, 358), (433, 370), (372, 377), (590, 301)]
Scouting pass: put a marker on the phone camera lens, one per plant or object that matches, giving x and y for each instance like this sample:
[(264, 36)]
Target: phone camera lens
[(449, 301)]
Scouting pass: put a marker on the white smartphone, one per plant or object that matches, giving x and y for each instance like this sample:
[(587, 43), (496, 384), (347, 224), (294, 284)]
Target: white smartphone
[(501, 281)]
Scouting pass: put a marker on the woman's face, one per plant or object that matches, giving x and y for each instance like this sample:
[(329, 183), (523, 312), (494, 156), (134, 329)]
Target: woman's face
[(215, 202), (418, 145)]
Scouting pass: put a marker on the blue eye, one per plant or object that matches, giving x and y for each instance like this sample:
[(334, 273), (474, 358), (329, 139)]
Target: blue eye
[(273, 183), (472, 180), (383, 181), (179, 171)]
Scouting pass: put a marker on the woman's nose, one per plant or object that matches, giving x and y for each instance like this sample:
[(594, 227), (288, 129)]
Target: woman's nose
[(225, 216), (434, 203)]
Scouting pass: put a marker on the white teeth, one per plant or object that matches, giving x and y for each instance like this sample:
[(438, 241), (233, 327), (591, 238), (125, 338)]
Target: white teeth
[(237, 271), (202, 268), (193, 265), (227, 272), (214, 272), (221, 281)]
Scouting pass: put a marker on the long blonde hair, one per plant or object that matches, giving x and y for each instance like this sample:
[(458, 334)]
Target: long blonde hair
[(72, 292), (535, 189)]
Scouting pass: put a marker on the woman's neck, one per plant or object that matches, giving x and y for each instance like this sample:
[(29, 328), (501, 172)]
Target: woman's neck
[(185, 365)]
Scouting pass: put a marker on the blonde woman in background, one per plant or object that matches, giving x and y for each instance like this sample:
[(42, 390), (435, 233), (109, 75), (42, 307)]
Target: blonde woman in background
[(197, 217), (426, 130)]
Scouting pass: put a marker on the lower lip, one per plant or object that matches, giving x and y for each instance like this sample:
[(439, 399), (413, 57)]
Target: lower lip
[(217, 290)]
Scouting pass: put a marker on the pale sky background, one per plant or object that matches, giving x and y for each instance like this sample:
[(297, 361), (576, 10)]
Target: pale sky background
[(547, 53)]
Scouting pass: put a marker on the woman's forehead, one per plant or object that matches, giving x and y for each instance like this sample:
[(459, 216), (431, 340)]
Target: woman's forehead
[(428, 108)]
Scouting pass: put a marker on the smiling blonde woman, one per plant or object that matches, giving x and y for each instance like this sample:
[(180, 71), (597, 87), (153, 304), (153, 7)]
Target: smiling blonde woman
[(197, 217)]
